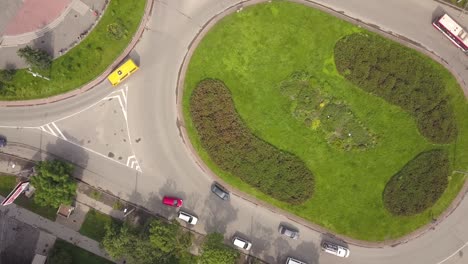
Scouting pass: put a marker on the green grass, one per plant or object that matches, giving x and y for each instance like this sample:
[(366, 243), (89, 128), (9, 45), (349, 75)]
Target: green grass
[(7, 183), (460, 4), (84, 62), (253, 51), (76, 254), (233, 147), (95, 223)]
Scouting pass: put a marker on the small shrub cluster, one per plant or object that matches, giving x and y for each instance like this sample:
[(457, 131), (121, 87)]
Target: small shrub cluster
[(400, 76), (418, 185), (318, 110), (233, 147), (116, 31)]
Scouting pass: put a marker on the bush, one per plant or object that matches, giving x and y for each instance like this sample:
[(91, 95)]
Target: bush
[(236, 150), (35, 57), (116, 31), (401, 77), (214, 251), (418, 185)]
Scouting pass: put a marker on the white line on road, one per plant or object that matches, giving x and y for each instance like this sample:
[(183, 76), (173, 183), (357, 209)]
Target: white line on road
[(58, 130), (50, 130), (447, 258), (130, 158)]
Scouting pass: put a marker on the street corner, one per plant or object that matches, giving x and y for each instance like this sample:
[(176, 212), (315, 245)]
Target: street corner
[(101, 128)]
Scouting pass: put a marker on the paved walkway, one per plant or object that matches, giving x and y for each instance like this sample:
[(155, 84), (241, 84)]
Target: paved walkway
[(51, 227), (56, 29)]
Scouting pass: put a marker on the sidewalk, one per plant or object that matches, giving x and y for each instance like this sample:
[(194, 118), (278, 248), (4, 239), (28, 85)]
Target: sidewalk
[(59, 33), (54, 228)]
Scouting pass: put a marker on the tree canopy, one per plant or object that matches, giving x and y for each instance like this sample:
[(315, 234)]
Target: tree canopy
[(214, 251), (36, 57), (54, 184)]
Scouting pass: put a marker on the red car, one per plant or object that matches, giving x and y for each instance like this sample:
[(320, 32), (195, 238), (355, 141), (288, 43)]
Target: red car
[(172, 201)]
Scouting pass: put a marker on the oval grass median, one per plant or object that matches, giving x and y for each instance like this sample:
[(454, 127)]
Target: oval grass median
[(256, 51), (84, 62)]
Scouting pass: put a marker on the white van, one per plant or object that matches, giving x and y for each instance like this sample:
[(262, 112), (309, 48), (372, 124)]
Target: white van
[(290, 260)]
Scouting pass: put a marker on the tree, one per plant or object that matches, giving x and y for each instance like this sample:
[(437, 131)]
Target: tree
[(214, 251), (53, 183), (170, 239), (35, 57)]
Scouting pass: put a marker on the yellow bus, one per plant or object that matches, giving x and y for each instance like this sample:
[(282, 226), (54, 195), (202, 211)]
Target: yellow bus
[(122, 72)]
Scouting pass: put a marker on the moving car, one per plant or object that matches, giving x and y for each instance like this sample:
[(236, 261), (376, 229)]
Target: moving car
[(172, 201), (220, 191), (335, 249), (294, 261), (286, 231), (186, 217), (241, 243), (3, 141)]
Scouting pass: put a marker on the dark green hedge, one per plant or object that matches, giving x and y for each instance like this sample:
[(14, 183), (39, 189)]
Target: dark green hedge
[(400, 76), (419, 184), (236, 150)]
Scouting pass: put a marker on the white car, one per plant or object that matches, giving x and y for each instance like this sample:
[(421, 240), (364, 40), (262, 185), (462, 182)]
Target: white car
[(186, 217), (294, 261), (335, 249), (241, 243)]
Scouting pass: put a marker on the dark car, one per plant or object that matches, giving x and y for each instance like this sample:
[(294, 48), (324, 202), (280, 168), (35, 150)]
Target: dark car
[(286, 231), (3, 142), (220, 191)]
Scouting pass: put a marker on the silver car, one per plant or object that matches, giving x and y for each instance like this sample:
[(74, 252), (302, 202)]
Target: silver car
[(286, 231)]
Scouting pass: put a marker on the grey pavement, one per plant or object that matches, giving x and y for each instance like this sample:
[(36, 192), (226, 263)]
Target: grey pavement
[(57, 37), (55, 228)]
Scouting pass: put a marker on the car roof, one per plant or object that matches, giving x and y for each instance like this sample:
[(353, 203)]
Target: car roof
[(239, 242)]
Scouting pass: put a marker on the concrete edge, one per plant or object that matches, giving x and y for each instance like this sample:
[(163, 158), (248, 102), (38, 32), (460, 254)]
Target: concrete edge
[(341, 15), (60, 97)]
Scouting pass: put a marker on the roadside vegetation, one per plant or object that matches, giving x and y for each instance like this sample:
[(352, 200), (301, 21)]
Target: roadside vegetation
[(158, 242), (214, 251), (233, 147), (94, 225), (81, 64), (66, 253), (54, 183), (419, 184), (401, 77), (8, 182), (255, 51)]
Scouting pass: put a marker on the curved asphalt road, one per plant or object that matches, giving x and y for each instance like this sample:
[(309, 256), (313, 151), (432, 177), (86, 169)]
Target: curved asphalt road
[(169, 168)]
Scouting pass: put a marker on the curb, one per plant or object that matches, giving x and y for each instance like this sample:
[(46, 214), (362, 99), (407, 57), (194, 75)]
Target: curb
[(136, 38), (341, 15)]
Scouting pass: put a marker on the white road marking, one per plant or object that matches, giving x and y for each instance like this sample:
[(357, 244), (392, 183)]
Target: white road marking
[(58, 130), (447, 258), (50, 130), (128, 159)]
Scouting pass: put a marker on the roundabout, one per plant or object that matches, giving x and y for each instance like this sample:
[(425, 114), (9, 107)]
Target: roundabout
[(168, 166)]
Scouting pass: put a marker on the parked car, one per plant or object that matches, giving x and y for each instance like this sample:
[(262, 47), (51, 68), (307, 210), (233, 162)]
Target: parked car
[(241, 243), (290, 260), (3, 142), (220, 191), (335, 249), (186, 217), (289, 232), (172, 201)]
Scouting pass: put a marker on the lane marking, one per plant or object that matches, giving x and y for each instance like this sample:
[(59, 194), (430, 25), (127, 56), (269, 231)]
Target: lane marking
[(453, 254), (58, 130), (50, 129)]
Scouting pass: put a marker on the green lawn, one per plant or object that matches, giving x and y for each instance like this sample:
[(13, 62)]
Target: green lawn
[(6, 185), (63, 251), (84, 62), (94, 225), (253, 52)]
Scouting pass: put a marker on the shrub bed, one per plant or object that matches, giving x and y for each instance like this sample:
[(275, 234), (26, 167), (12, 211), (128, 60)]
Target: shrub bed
[(236, 150), (401, 77), (418, 185)]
